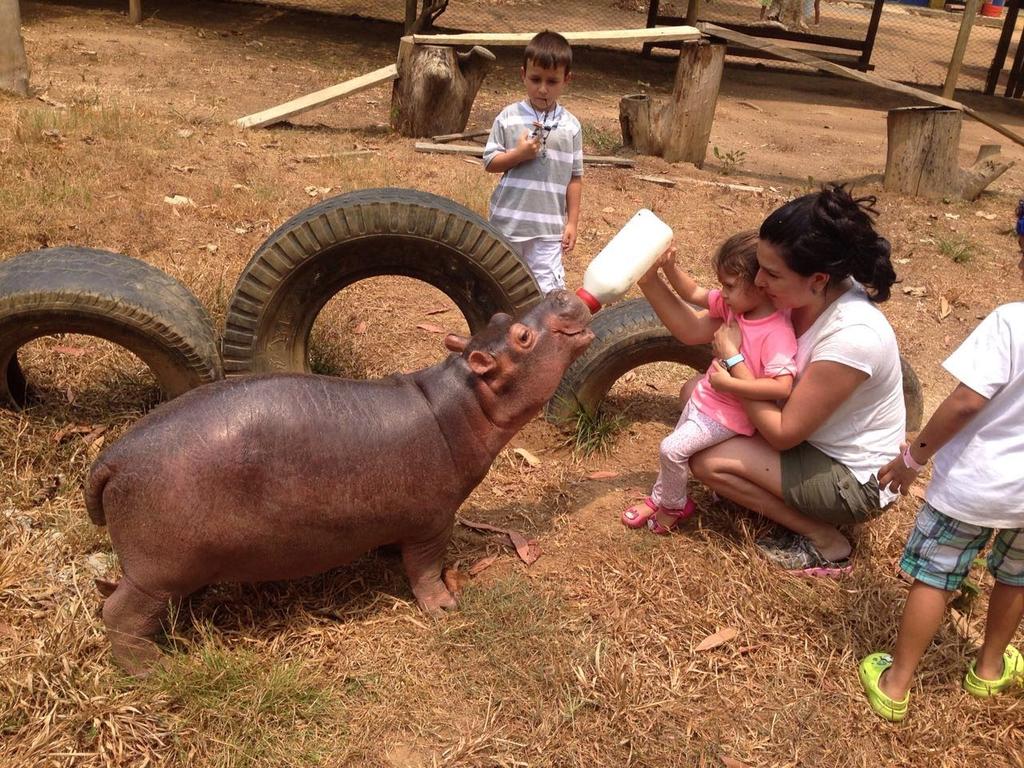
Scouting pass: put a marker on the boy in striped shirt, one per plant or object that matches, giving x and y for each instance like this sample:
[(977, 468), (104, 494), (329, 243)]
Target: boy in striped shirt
[(537, 146)]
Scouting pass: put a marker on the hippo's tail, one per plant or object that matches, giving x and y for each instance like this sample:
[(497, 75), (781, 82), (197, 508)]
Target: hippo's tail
[(94, 485)]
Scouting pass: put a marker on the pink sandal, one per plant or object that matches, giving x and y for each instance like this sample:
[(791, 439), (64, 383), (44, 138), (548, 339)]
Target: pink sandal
[(677, 515), (631, 519)]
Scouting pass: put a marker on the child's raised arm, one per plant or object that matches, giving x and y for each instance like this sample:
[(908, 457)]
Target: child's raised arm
[(688, 324), (686, 286)]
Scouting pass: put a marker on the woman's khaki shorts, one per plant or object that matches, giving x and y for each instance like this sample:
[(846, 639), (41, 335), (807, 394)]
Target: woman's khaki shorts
[(822, 488)]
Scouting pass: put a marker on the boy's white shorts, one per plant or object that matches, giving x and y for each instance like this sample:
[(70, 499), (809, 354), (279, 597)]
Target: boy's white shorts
[(544, 258)]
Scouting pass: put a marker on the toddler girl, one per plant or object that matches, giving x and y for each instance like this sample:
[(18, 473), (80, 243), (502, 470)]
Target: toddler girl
[(714, 412)]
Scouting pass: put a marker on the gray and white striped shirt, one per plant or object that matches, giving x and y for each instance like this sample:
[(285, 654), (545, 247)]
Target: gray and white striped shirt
[(529, 201)]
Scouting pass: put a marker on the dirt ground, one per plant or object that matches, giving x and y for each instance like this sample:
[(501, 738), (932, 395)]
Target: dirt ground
[(589, 656)]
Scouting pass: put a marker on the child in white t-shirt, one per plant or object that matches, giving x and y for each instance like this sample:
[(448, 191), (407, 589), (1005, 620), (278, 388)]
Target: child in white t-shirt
[(977, 490)]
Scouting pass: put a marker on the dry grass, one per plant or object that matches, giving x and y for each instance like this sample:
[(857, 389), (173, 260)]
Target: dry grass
[(585, 658)]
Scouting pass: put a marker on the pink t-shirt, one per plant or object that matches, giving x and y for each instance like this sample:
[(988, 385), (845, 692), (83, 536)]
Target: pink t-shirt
[(769, 350)]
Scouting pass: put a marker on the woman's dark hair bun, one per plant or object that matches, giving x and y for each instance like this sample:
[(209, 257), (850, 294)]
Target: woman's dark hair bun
[(832, 231)]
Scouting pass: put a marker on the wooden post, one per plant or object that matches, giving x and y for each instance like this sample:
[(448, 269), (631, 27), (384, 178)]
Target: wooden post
[(970, 11), (436, 87), (679, 129), (869, 38), (694, 97), (13, 64), (1005, 36), (135, 11), (692, 11), (922, 153)]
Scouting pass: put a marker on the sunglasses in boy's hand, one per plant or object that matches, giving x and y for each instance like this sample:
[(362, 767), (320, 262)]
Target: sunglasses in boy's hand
[(1020, 218)]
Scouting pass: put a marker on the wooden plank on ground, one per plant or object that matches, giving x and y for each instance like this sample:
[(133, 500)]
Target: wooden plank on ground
[(790, 54), (462, 149), (318, 98), (683, 33), (446, 137), (671, 181)]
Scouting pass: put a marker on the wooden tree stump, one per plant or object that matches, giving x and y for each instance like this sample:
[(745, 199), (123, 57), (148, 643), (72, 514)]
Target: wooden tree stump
[(988, 167), (13, 64), (436, 87), (922, 156), (922, 149), (679, 129)]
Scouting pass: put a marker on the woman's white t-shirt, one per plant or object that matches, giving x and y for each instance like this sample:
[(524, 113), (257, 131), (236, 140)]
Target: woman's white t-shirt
[(864, 433), (979, 474)]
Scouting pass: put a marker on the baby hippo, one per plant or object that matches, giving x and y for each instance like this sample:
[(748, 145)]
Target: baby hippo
[(282, 476)]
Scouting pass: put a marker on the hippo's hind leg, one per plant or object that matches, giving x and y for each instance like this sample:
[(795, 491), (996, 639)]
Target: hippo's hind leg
[(423, 560), (132, 618)]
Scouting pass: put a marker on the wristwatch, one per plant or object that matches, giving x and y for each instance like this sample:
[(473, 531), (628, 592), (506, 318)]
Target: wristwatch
[(733, 361)]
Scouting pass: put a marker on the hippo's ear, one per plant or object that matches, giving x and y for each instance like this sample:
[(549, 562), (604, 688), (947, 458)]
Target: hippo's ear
[(481, 363), (455, 343)]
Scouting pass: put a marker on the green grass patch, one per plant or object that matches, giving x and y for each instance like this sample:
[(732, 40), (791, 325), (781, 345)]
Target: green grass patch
[(603, 141), (959, 249), (35, 126), (591, 434), (241, 708), (511, 635), (730, 161)]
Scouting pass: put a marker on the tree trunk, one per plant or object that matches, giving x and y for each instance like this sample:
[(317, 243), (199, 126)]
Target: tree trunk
[(13, 64), (679, 129), (436, 87), (988, 167), (922, 151)]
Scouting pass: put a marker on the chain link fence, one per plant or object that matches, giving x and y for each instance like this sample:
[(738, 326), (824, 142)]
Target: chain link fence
[(913, 43)]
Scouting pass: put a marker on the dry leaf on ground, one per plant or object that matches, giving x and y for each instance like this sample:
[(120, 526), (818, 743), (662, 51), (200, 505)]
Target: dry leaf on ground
[(482, 565), (731, 762), (527, 549), (526, 456), (360, 328), (430, 328), (178, 200), (602, 474), (454, 580), (720, 637)]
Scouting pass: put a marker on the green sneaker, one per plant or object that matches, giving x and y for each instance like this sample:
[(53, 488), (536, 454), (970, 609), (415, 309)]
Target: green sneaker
[(1013, 672), (871, 668)]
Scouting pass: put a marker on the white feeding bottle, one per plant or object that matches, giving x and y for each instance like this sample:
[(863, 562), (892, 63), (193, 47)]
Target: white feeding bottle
[(625, 259)]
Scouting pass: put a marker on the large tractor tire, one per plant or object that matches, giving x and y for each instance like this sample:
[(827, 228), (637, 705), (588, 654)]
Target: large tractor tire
[(340, 241), (114, 297), (629, 335)]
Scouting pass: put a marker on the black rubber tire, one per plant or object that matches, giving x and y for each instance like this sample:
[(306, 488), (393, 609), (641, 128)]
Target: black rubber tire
[(629, 335), (114, 297), (340, 241)]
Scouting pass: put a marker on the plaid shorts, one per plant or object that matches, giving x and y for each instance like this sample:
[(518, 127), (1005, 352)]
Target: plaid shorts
[(940, 551)]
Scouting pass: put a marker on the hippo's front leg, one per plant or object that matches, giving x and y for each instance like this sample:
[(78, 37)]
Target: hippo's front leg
[(423, 560)]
